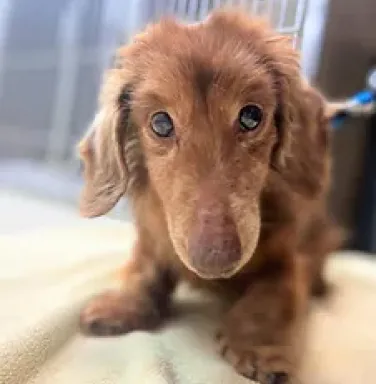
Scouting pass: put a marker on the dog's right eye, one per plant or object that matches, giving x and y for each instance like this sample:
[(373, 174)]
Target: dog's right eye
[(250, 117), (162, 125)]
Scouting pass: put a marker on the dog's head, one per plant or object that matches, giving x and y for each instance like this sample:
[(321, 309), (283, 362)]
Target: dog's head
[(201, 115)]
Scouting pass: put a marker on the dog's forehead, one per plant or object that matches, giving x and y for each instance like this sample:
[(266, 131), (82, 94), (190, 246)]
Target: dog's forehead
[(195, 61)]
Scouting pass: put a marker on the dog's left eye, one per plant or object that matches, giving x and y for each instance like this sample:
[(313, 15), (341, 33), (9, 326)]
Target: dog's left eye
[(162, 125), (250, 117)]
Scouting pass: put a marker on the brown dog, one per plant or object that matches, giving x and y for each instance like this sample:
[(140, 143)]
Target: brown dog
[(223, 151)]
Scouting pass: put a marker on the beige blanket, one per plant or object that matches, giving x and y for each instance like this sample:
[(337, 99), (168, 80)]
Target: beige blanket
[(46, 276)]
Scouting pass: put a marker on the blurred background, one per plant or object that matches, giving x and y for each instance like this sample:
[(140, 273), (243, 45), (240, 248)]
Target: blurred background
[(52, 56)]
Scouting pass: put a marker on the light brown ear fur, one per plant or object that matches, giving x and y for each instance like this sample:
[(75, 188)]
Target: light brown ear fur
[(301, 108), (285, 67), (111, 151), (308, 167), (301, 156), (105, 172)]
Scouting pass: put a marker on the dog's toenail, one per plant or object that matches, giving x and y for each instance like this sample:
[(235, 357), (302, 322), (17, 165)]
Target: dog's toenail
[(95, 327), (115, 329), (277, 378)]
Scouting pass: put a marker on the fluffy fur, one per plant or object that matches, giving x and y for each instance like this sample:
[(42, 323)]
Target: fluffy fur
[(241, 214)]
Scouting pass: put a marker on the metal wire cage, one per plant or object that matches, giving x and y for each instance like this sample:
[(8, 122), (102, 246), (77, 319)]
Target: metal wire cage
[(286, 15), (51, 63)]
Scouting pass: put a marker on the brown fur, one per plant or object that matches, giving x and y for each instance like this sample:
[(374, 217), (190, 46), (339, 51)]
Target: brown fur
[(242, 214)]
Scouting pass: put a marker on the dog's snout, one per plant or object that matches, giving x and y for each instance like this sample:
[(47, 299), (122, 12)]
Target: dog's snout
[(214, 247)]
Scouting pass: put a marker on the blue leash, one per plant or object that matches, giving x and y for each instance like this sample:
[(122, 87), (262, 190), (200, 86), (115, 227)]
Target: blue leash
[(362, 103)]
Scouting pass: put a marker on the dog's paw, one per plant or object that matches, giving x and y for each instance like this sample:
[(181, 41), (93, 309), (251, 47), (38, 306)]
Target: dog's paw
[(116, 312), (265, 365)]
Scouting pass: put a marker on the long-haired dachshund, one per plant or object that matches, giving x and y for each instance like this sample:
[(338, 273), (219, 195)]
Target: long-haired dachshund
[(223, 151)]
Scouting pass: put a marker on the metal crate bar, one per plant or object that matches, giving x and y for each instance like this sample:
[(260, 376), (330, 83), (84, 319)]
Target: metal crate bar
[(68, 56)]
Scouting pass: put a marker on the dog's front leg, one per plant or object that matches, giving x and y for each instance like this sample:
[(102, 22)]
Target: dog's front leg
[(263, 331), (140, 304)]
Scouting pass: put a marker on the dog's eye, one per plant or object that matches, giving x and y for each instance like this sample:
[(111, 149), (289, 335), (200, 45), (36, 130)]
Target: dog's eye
[(162, 125), (250, 117)]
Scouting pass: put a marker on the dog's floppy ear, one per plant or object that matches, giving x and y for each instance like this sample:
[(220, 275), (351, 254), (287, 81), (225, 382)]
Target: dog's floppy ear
[(283, 61), (105, 173), (302, 121), (111, 151), (103, 151)]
